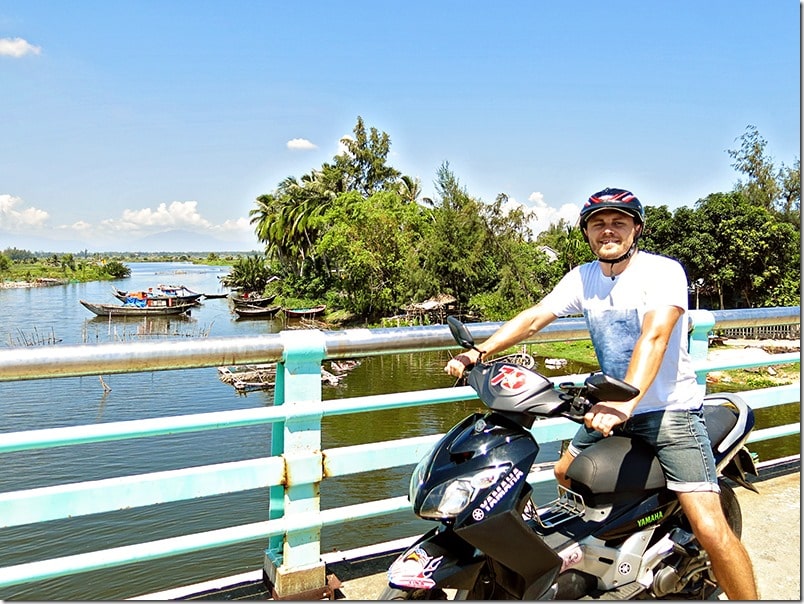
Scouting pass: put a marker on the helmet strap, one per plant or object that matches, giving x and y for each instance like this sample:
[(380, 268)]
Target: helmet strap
[(625, 256)]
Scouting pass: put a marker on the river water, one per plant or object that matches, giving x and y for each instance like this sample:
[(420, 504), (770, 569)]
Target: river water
[(52, 316)]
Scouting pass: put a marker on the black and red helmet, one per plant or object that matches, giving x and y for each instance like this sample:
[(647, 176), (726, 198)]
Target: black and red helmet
[(613, 199)]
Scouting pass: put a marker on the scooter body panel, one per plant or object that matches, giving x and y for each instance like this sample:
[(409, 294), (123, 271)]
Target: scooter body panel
[(440, 558), (478, 443)]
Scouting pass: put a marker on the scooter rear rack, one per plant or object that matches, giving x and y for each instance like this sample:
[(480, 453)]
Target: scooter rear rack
[(566, 506)]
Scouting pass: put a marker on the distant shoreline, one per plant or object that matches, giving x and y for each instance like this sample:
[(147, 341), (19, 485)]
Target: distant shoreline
[(41, 282)]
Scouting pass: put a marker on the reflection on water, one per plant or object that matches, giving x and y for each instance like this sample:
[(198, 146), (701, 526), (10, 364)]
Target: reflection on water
[(126, 329), (55, 311)]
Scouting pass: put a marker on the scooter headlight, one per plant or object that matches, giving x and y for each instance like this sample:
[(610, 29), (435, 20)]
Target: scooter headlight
[(449, 499)]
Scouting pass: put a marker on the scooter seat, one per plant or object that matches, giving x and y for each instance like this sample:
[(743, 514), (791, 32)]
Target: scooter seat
[(619, 464), (616, 464)]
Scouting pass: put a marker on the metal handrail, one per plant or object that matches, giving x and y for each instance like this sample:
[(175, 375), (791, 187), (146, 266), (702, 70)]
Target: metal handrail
[(297, 464)]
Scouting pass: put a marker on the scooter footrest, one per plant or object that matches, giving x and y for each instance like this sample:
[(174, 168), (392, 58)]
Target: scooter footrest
[(625, 592), (567, 506)]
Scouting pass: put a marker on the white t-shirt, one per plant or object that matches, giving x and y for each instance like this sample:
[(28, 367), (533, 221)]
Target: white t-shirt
[(614, 311)]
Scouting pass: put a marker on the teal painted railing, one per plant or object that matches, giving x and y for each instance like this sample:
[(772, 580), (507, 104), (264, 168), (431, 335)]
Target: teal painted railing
[(297, 464)]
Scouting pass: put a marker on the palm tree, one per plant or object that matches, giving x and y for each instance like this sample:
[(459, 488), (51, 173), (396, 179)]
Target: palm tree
[(287, 220), (410, 189)]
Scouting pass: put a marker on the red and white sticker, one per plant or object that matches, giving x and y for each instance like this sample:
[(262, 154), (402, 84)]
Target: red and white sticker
[(414, 569), (511, 377)]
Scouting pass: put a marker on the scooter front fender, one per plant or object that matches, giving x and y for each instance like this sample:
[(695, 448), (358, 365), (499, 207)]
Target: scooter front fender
[(438, 559)]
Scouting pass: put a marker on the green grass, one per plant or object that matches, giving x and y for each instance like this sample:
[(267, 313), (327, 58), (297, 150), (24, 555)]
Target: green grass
[(580, 351), (757, 378)]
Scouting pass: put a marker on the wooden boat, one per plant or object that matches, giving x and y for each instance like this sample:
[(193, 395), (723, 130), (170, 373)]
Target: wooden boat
[(256, 312), (298, 313), (217, 295), (162, 292), (262, 377), (248, 299), (150, 307), (181, 291)]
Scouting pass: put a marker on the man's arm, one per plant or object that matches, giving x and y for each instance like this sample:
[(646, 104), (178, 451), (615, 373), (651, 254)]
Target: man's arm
[(519, 328), (642, 369)]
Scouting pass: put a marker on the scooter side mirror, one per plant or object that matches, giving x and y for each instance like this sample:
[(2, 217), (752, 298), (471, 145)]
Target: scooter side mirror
[(602, 387), (460, 333)]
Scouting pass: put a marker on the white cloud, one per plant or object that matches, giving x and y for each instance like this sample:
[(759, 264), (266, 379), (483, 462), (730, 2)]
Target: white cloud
[(300, 144), (537, 199), (17, 47), (12, 218), (80, 227), (238, 226), (179, 214), (541, 216), (118, 233)]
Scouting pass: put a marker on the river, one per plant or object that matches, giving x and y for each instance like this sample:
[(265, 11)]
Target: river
[(49, 316)]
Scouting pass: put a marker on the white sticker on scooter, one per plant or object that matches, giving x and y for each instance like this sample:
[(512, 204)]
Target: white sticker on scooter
[(572, 556), (414, 570)]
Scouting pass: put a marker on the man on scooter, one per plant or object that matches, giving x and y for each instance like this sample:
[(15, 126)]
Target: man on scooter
[(635, 306)]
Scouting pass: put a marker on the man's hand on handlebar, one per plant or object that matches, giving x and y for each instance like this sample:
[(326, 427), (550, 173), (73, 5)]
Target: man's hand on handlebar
[(458, 364), (605, 416)]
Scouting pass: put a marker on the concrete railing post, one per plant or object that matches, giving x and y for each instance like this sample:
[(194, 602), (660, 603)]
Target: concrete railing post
[(293, 562)]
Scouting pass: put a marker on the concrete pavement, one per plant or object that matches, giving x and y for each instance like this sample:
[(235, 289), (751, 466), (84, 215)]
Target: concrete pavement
[(772, 535)]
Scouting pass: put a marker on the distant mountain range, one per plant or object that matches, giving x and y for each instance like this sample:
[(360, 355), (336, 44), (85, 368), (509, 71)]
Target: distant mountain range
[(166, 241)]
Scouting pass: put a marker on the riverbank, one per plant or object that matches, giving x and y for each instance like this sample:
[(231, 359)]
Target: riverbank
[(733, 349), (40, 282)]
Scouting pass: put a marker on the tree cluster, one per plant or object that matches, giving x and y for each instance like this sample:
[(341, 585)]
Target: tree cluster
[(357, 234)]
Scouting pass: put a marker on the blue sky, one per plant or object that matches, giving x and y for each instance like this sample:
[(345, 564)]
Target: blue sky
[(121, 120)]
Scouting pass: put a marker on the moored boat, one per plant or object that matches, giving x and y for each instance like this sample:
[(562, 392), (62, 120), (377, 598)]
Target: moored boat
[(161, 292), (298, 313), (256, 312), (180, 291), (252, 299), (150, 307)]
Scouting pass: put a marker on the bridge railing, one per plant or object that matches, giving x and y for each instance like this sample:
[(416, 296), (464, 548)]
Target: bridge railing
[(297, 464)]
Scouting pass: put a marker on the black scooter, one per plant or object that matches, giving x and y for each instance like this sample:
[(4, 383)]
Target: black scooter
[(616, 533)]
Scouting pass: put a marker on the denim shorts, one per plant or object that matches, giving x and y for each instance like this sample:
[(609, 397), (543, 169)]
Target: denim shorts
[(680, 441)]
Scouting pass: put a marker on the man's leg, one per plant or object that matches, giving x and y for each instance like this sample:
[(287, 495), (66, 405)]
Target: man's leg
[(560, 468), (730, 561)]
